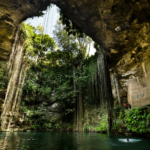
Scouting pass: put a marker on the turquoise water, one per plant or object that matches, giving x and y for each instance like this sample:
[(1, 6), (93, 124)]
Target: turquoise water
[(70, 141)]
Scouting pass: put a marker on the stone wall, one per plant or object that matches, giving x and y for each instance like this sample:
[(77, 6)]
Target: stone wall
[(133, 72), (16, 67), (139, 87), (120, 27)]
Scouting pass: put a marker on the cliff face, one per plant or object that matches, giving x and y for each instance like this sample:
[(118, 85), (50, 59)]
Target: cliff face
[(16, 69), (120, 27), (133, 72)]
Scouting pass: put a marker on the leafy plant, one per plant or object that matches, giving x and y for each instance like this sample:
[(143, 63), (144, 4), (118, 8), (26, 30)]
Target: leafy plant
[(103, 126), (137, 120), (59, 73)]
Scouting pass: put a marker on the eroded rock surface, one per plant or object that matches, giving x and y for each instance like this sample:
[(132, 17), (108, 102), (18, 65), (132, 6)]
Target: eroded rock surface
[(120, 27), (16, 67), (117, 25), (133, 72)]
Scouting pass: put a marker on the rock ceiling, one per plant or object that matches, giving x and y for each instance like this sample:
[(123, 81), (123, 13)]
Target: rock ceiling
[(119, 26)]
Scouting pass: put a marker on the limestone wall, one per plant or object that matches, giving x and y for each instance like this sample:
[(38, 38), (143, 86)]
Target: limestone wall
[(16, 68), (118, 26), (133, 72), (139, 87), (122, 28)]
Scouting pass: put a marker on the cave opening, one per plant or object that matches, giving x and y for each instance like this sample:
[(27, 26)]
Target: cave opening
[(91, 24), (50, 80), (26, 46)]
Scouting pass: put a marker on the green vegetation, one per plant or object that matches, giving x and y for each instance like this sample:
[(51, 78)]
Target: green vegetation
[(55, 75), (37, 87), (62, 81), (124, 121), (61, 77), (70, 27), (103, 126), (3, 76), (137, 120), (132, 120)]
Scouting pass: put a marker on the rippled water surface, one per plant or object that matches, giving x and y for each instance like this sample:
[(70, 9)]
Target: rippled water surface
[(70, 141)]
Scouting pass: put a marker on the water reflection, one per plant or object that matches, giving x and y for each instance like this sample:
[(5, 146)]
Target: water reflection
[(69, 141)]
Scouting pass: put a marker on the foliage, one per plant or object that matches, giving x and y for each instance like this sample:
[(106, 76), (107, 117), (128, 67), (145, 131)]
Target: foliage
[(103, 126), (70, 27), (37, 86), (41, 118), (97, 47), (3, 75), (75, 46), (51, 72), (36, 43), (137, 120), (40, 14), (118, 126)]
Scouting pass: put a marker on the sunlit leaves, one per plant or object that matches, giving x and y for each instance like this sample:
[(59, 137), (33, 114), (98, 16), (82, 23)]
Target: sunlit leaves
[(35, 41)]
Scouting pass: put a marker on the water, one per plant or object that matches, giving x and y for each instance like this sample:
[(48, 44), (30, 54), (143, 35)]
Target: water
[(70, 141)]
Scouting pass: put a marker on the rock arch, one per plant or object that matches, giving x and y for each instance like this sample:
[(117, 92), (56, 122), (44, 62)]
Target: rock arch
[(121, 27), (110, 23)]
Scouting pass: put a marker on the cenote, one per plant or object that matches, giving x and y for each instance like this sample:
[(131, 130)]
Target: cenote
[(74, 70), (69, 141)]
